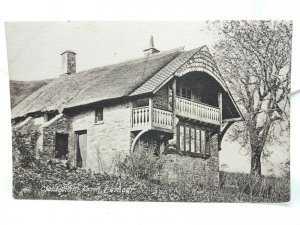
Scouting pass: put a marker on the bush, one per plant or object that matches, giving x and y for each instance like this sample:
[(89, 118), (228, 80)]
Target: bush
[(24, 145), (138, 179), (141, 165)]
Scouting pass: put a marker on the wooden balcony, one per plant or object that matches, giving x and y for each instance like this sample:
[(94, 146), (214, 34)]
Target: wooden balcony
[(198, 111), (143, 118)]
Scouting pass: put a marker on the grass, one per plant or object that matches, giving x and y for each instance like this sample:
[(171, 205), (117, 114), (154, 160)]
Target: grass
[(54, 181), (136, 180)]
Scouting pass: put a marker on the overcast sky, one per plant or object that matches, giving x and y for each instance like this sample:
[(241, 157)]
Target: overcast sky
[(34, 48), (34, 53)]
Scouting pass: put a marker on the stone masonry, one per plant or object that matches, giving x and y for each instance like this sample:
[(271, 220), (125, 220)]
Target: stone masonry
[(204, 171), (59, 124), (107, 141)]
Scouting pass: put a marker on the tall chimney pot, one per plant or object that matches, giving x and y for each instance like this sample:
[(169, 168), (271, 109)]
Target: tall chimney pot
[(68, 62)]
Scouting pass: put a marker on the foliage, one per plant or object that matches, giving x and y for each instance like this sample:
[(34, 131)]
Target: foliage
[(56, 182), (136, 180), (273, 189), (255, 59), (141, 165), (23, 145)]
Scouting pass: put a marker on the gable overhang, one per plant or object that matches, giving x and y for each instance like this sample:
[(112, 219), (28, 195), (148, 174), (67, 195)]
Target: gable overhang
[(220, 82), (202, 61)]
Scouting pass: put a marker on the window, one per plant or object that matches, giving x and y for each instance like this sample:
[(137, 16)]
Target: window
[(198, 142), (193, 147), (184, 92), (193, 141), (188, 93), (203, 142), (207, 149), (49, 116), (99, 115), (178, 91), (181, 140), (187, 139), (141, 102)]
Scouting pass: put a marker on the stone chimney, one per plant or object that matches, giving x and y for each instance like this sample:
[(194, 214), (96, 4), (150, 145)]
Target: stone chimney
[(151, 50), (68, 62)]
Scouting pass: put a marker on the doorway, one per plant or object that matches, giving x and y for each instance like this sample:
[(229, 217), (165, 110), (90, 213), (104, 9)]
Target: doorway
[(61, 145), (81, 148)]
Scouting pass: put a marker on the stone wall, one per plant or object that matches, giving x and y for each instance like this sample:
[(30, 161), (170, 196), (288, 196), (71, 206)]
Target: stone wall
[(107, 141), (59, 124), (183, 167), (151, 141), (186, 168)]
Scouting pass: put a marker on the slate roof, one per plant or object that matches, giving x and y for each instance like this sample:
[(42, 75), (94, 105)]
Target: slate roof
[(165, 73)]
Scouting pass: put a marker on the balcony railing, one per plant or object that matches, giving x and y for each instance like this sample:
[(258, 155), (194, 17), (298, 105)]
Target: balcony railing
[(142, 118), (197, 111)]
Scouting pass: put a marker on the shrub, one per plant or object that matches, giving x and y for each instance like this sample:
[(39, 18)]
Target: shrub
[(138, 179), (142, 165), (24, 145)]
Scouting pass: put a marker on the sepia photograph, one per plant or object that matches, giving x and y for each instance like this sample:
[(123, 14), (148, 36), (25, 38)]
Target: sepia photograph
[(170, 111)]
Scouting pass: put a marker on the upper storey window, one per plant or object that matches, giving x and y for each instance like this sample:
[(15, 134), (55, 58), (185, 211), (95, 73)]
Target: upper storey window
[(184, 92), (99, 115)]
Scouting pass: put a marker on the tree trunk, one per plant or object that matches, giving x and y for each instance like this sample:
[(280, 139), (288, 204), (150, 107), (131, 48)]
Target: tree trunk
[(256, 162)]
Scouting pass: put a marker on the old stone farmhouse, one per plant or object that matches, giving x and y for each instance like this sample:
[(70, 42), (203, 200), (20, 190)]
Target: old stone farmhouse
[(172, 98)]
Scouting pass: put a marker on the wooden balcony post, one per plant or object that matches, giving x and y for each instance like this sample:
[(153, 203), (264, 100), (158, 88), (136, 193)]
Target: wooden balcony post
[(150, 111), (220, 104), (174, 106)]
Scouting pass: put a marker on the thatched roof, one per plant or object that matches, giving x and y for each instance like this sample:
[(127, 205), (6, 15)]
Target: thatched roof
[(132, 78), (103, 83)]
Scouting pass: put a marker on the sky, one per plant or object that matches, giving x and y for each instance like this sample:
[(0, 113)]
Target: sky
[(34, 48), (34, 54)]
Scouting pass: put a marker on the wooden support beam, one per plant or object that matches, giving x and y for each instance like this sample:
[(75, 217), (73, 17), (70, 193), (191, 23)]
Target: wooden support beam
[(174, 106), (220, 104), (222, 133), (137, 137), (232, 120), (150, 111)]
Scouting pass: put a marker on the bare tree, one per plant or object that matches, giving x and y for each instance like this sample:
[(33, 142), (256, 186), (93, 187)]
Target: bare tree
[(255, 59)]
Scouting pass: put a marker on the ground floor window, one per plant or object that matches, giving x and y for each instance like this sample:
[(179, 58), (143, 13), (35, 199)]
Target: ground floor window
[(193, 140)]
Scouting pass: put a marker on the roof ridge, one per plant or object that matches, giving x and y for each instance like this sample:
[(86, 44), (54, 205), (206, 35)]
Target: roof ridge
[(144, 81), (151, 56), (88, 86)]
